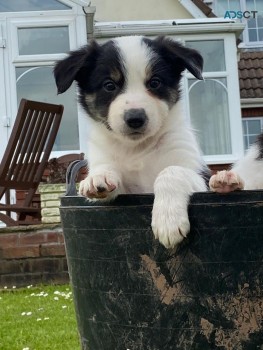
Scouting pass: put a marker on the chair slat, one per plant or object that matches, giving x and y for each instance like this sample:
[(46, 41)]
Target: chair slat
[(27, 142), (15, 146), (39, 136), (40, 146)]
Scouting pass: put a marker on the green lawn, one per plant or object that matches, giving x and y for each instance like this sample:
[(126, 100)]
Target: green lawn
[(38, 318)]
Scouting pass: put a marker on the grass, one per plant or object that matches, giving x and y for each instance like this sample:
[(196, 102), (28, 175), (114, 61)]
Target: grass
[(38, 318)]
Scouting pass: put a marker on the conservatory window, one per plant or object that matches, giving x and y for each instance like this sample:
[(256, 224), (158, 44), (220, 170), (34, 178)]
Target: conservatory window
[(210, 115), (209, 99), (43, 40), (31, 5), (37, 49), (37, 83)]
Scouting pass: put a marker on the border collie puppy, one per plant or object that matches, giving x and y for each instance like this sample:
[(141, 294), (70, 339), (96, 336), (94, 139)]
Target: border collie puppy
[(246, 174), (139, 140)]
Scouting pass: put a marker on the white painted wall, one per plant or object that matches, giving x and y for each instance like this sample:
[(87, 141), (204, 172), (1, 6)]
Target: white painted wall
[(138, 10)]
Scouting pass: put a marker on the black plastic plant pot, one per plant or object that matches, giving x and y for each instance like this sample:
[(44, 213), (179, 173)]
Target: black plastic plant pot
[(132, 293)]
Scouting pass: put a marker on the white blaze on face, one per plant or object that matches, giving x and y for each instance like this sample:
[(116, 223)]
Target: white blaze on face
[(136, 57)]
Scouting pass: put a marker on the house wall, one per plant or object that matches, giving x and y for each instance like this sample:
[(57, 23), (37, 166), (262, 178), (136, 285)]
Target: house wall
[(252, 112), (126, 10), (32, 255)]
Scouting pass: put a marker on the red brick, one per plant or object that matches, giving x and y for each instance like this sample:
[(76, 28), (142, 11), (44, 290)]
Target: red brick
[(64, 264), (52, 249), (21, 195), (25, 279), (19, 252), (61, 238), (54, 237), (11, 267), (8, 240), (31, 238), (55, 278), (43, 265), (21, 280)]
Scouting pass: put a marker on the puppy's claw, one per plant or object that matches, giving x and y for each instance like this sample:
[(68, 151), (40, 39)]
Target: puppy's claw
[(99, 186), (170, 228)]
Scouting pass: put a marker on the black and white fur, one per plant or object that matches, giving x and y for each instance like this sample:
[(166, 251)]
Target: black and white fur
[(246, 173), (139, 140)]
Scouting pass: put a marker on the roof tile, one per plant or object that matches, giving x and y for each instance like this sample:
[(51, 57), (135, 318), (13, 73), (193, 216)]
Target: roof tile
[(250, 69)]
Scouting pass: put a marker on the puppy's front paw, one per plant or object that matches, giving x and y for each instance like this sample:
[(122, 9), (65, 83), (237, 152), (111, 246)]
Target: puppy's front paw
[(170, 224), (100, 186), (226, 181)]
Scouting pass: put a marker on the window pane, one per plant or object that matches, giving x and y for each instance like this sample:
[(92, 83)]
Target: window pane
[(251, 23), (221, 6), (213, 53), (254, 5), (246, 143), (252, 33), (31, 5), (252, 139), (260, 21), (254, 127), (37, 83), (244, 127), (251, 129), (33, 41), (210, 115), (259, 5), (250, 5)]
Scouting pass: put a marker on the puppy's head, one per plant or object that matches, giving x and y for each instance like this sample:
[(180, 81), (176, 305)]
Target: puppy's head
[(129, 84)]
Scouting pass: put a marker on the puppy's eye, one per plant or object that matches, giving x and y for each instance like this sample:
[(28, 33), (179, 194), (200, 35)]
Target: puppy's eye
[(109, 85), (154, 83)]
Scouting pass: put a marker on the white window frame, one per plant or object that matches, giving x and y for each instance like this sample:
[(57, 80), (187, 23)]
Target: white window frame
[(247, 119), (69, 18), (233, 96), (246, 42), (15, 24)]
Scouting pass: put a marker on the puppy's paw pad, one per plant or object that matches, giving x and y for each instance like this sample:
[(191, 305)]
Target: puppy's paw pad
[(226, 181)]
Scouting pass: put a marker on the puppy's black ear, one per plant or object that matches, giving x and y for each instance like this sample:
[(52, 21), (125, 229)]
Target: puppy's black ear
[(188, 58), (71, 67)]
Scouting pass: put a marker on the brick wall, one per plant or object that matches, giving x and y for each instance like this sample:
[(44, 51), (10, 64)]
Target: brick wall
[(32, 255)]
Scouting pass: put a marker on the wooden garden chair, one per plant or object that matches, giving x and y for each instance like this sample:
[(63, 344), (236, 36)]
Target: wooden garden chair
[(26, 156)]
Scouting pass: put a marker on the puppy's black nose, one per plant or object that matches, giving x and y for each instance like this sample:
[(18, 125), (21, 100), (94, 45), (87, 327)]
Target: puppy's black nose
[(135, 118)]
